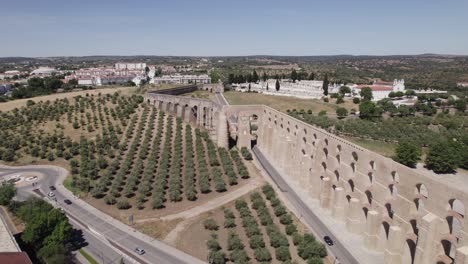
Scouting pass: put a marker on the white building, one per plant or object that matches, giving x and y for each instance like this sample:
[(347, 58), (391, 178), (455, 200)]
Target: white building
[(302, 89), (182, 79), (44, 72), (380, 90), (130, 66)]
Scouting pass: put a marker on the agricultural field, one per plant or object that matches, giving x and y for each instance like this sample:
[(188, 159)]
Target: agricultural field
[(160, 162), (124, 156), (256, 228), (10, 105), (49, 131)]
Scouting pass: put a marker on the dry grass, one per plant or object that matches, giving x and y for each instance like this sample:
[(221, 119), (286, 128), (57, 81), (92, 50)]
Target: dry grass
[(157, 229), (199, 94), (22, 102), (283, 103), (383, 148)]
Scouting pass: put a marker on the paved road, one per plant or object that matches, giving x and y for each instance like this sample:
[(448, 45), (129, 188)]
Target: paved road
[(221, 99), (338, 250), (111, 237)]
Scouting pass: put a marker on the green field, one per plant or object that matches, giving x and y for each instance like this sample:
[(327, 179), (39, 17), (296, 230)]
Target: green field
[(283, 103)]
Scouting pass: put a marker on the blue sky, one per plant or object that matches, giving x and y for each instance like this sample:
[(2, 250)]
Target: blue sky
[(240, 27)]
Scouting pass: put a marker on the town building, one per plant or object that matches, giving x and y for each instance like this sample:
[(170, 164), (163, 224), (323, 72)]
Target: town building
[(130, 66), (121, 73), (10, 74), (462, 84), (44, 72)]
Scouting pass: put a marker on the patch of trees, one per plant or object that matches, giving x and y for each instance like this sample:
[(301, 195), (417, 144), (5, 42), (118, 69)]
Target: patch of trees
[(47, 230), (37, 86)]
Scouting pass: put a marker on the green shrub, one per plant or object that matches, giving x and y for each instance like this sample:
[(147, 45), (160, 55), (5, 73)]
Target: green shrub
[(239, 256), (256, 242), (315, 260), (291, 229), (123, 204), (229, 223), (282, 253), (286, 219), (297, 238), (262, 255), (234, 242), (210, 224)]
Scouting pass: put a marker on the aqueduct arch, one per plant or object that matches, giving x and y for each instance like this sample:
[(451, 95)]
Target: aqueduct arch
[(397, 210)]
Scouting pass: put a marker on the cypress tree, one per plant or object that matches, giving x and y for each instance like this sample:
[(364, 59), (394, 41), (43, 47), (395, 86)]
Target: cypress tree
[(277, 85), (325, 85)]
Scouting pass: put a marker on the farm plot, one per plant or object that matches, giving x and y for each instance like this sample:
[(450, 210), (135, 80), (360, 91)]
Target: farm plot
[(160, 162), (255, 229)]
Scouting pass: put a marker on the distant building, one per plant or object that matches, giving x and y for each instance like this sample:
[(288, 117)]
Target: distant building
[(306, 89), (10, 74), (380, 90), (463, 84), (130, 66), (44, 72), (182, 79), (4, 88)]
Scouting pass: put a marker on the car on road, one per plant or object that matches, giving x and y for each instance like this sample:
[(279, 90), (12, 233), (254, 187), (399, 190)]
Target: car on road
[(66, 201), (140, 251), (51, 194), (328, 240), (52, 188)]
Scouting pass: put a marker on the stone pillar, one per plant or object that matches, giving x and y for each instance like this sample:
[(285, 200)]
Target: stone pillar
[(222, 130), (199, 116), (279, 149), (325, 193), (427, 237), (395, 243), (373, 225), (303, 171), (314, 185), (461, 256), (187, 111), (354, 222), (339, 204), (178, 111), (164, 106)]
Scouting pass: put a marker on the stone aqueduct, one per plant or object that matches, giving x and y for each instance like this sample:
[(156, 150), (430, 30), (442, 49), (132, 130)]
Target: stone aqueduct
[(410, 217)]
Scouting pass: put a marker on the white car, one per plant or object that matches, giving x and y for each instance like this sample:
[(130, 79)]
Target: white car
[(51, 194), (140, 251)]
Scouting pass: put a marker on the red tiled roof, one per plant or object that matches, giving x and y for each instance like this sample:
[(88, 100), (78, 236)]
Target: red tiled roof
[(14, 258)]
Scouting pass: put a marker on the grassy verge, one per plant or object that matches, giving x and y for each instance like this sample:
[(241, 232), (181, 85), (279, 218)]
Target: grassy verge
[(88, 257), (67, 183)]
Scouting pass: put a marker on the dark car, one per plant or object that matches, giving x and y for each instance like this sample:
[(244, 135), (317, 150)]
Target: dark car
[(52, 188), (328, 240), (67, 201)]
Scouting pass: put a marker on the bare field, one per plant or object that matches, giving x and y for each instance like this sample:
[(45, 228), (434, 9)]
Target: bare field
[(283, 103), (22, 102)]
